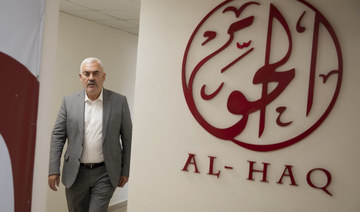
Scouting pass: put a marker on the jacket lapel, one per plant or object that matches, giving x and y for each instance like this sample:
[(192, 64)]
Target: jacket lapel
[(106, 111), (81, 106)]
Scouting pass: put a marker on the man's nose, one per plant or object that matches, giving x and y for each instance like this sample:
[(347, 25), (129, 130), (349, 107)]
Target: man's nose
[(91, 76)]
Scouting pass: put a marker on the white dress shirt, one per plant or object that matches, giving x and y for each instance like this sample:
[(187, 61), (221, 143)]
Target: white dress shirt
[(92, 152)]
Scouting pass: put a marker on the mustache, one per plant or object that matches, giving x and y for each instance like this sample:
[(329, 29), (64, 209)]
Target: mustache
[(91, 83)]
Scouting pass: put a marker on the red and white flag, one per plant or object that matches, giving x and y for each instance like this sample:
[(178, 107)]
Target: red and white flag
[(21, 24)]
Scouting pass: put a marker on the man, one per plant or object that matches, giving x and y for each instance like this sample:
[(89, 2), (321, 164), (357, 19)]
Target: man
[(95, 162)]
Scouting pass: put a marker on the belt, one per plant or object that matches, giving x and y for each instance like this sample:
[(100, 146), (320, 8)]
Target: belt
[(92, 165)]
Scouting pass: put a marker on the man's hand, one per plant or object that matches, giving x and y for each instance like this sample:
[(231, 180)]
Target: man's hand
[(53, 181), (123, 180)]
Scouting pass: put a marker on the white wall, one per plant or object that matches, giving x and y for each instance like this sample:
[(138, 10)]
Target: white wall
[(78, 39), (165, 131), (46, 79)]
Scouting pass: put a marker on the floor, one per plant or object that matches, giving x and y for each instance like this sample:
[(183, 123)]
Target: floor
[(121, 207)]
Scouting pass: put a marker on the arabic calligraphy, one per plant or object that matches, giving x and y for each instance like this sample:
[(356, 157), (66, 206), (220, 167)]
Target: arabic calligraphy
[(247, 47)]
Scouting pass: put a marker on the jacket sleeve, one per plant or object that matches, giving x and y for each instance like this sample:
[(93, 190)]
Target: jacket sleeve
[(126, 136), (58, 139)]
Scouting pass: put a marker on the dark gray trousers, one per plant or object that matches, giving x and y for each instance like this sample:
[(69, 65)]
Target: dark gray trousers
[(91, 191)]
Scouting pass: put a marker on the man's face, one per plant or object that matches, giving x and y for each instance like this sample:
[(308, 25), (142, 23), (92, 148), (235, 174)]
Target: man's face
[(92, 77)]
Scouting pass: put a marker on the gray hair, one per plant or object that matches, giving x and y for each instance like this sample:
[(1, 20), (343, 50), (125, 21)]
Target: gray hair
[(91, 60)]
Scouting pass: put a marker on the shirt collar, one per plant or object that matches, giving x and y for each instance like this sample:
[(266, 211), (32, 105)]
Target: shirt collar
[(100, 98)]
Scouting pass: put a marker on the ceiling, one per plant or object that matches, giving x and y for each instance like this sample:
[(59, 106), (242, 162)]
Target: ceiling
[(119, 14)]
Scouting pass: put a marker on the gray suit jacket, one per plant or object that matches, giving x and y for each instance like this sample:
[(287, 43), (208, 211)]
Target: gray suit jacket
[(70, 126)]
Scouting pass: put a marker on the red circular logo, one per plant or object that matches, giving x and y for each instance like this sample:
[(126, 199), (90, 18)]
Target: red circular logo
[(261, 75)]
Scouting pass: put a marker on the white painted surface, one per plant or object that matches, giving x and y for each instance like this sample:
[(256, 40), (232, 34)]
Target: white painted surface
[(21, 29), (165, 131)]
